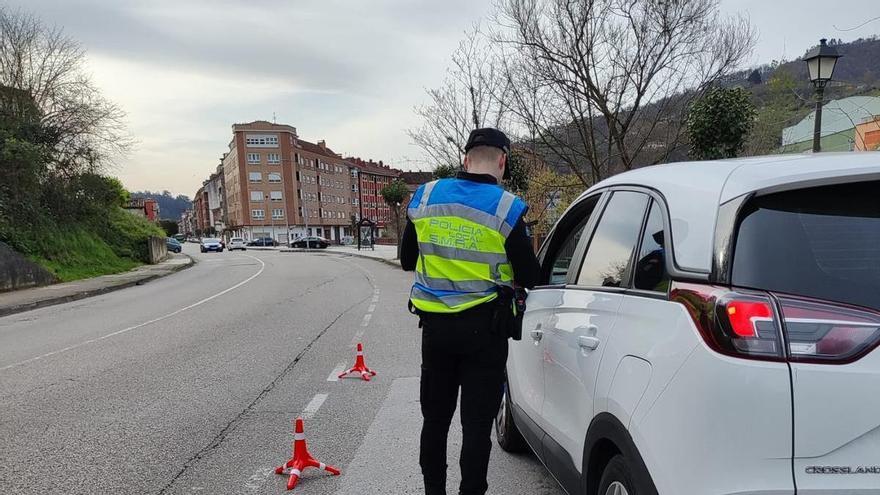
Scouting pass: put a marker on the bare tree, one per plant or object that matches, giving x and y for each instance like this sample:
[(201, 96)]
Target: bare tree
[(48, 66), (474, 94), (602, 85)]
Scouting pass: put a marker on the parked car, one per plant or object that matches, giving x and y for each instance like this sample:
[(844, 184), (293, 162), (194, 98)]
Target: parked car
[(237, 243), (173, 245), (263, 241), (179, 238), (311, 242), (211, 244), (707, 327)]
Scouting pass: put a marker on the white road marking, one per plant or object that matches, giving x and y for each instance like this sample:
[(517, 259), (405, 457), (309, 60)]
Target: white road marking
[(371, 308), (259, 478), (375, 298), (313, 405), (357, 337), (366, 319), (141, 325), (334, 375)]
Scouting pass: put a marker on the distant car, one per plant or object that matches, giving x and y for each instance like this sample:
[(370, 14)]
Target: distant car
[(311, 242), (173, 245), (263, 241), (211, 244), (237, 243), (179, 237)]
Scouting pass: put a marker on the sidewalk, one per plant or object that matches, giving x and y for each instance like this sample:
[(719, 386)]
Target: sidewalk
[(28, 299)]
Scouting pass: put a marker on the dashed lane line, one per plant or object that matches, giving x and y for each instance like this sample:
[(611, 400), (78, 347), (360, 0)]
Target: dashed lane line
[(312, 407), (334, 375)]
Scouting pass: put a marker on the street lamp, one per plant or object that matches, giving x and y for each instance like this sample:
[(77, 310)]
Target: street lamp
[(820, 62)]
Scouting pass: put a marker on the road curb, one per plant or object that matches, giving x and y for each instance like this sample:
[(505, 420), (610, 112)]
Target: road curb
[(52, 301)]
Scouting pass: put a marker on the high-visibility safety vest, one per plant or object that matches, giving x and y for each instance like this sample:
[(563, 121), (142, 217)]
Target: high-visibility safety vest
[(462, 227)]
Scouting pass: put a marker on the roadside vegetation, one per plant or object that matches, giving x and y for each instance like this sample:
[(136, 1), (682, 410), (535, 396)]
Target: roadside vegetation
[(57, 135)]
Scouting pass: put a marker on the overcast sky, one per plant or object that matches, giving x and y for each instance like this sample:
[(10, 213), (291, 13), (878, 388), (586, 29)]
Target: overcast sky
[(348, 71)]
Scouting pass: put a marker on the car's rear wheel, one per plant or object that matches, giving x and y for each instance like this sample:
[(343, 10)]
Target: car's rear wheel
[(617, 479), (508, 435)]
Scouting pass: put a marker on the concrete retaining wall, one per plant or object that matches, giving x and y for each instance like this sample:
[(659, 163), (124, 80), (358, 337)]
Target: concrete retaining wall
[(17, 272), (158, 249)]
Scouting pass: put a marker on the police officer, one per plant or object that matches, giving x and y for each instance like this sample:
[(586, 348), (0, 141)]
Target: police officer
[(467, 242)]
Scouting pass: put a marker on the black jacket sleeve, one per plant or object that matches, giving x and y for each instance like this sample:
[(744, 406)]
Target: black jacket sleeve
[(409, 247), (526, 270)]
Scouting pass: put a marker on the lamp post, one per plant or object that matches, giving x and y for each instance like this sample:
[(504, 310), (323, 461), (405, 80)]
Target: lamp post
[(820, 62)]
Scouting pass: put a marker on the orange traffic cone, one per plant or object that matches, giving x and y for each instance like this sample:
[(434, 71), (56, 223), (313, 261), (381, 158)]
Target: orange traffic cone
[(360, 366), (301, 459)]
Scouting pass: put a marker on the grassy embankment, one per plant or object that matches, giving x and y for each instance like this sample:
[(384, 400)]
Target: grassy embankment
[(114, 244)]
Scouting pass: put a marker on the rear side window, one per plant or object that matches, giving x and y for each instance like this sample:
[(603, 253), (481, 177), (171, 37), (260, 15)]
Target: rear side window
[(608, 262), (821, 242), (651, 271)]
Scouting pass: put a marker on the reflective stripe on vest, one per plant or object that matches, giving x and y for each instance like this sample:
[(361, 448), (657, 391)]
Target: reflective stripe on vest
[(462, 227)]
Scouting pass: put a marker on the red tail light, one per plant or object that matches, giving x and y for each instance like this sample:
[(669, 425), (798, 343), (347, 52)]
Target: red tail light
[(821, 332), (733, 323), (746, 324)]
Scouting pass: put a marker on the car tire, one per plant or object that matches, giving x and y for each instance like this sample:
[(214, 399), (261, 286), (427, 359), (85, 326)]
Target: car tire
[(202, 250), (508, 435), (618, 479)]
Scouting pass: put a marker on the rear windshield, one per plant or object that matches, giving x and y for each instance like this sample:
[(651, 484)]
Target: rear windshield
[(821, 242), (236, 239)]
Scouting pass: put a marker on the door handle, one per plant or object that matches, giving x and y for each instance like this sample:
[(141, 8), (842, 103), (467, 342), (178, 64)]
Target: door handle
[(537, 334), (588, 343)]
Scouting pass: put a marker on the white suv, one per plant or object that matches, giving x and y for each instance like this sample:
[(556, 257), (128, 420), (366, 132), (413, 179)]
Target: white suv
[(708, 328)]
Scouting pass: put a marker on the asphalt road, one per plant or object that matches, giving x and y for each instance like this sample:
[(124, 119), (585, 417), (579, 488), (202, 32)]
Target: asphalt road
[(190, 384)]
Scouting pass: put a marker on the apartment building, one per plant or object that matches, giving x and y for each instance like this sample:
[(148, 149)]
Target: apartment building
[(278, 185), (372, 177)]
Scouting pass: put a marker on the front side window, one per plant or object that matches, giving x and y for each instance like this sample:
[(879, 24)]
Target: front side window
[(564, 242), (609, 257), (650, 270)]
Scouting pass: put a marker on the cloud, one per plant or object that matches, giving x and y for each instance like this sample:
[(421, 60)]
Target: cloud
[(347, 71)]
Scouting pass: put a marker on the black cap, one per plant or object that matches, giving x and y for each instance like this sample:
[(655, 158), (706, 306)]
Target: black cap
[(488, 136)]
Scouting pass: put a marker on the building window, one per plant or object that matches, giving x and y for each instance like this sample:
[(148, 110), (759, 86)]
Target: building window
[(354, 173), (256, 195), (253, 158), (276, 196), (255, 177), (261, 140), (300, 210), (277, 213), (258, 214), (274, 178), (273, 158)]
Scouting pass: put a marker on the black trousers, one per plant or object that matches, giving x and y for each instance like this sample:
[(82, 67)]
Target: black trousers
[(460, 351)]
